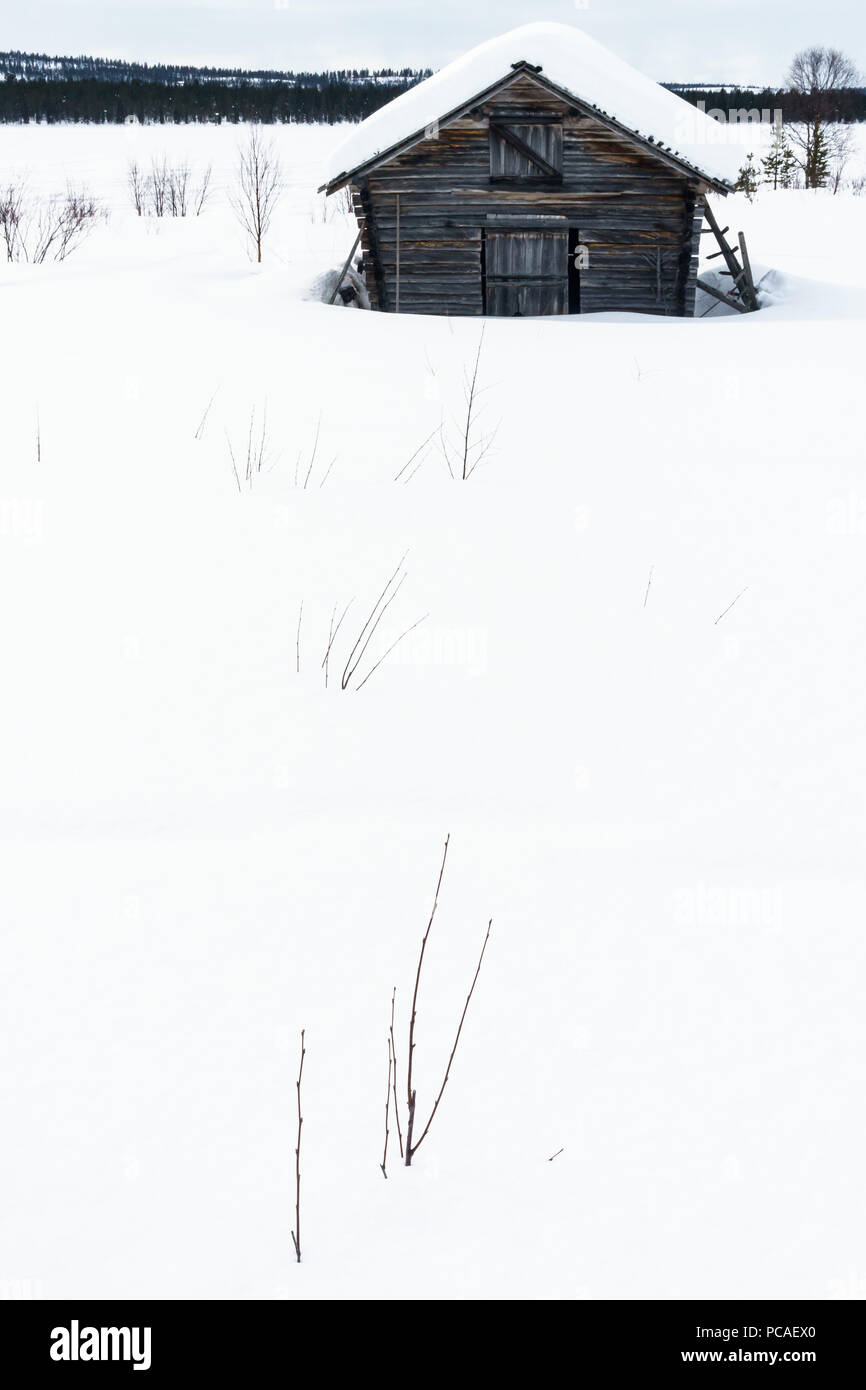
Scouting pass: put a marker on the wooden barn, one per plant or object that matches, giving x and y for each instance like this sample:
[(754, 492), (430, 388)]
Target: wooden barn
[(539, 174)]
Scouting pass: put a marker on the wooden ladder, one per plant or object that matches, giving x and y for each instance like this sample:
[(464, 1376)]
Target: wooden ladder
[(741, 275)]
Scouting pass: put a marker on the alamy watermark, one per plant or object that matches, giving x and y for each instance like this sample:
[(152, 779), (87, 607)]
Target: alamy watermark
[(743, 115)]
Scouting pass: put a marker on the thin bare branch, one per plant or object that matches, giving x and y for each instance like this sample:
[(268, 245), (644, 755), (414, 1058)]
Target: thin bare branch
[(234, 464), (349, 669), (333, 636), (394, 1055), (385, 655), (410, 1093), (456, 1041), (730, 606), (296, 1233), (203, 421), (398, 476), (384, 1162)]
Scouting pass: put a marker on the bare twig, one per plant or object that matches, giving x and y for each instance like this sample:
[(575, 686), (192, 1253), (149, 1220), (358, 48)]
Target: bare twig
[(409, 1090), (404, 633), (417, 1146), (382, 1165), (327, 473), (260, 458), (234, 464), (470, 447), (394, 1055), (730, 606), (296, 1233), (203, 191), (203, 421), (327, 655), (556, 1155), (366, 633), (648, 585), (315, 451), (332, 637), (470, 405), (398, 476)]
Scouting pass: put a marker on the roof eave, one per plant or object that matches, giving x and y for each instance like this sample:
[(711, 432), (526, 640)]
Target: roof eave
[(663, 153)]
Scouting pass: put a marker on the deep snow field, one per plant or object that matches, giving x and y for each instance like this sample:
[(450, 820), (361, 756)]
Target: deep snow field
[(205, 850)]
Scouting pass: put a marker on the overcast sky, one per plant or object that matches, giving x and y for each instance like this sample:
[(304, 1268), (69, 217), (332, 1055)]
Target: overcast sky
[(670, 40)]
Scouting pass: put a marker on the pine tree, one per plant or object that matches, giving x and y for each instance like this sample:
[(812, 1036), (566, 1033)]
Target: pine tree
[(779, 164), (818, 165), (747, 179)]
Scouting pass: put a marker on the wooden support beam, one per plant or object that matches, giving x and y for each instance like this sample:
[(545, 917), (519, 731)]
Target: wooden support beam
[(747, 271), (721, 296), (341, 277)]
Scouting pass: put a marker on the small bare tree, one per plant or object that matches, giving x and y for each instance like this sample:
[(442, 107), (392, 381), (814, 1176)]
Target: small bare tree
[(203, 191), (158, 186), (137, 186), (259, 182)]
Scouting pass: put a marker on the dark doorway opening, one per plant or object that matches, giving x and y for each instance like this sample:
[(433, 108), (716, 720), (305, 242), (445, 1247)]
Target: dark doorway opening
[(573, 271)]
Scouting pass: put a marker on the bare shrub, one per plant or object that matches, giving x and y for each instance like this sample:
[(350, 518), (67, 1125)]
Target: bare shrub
[(257, 456), (368, 631), (468, 444), (12, 205), (169, 190), (178, 189), (39, 230)]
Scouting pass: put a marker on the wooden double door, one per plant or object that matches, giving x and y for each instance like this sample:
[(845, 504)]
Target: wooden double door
[(526, 271)]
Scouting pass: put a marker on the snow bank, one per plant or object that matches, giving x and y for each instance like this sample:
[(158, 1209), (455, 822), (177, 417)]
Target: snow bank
[(571, 60)]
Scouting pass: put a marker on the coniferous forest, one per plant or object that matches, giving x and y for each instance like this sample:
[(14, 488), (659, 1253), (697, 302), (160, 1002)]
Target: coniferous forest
[(36, 87)]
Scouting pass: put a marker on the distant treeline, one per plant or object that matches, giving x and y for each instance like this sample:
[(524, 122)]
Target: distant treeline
[(38, 87), (35, 87), (848, 103)]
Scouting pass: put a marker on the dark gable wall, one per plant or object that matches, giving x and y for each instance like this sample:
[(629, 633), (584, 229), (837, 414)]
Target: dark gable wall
[(639, 219)]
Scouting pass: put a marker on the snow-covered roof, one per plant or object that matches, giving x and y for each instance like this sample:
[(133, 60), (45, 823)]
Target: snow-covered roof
[(572, 61)]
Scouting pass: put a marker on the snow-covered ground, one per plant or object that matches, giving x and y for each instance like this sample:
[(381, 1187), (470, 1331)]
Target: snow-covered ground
[(205, 850)]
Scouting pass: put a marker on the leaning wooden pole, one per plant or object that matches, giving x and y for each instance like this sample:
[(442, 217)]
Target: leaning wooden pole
[(341, 277)]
